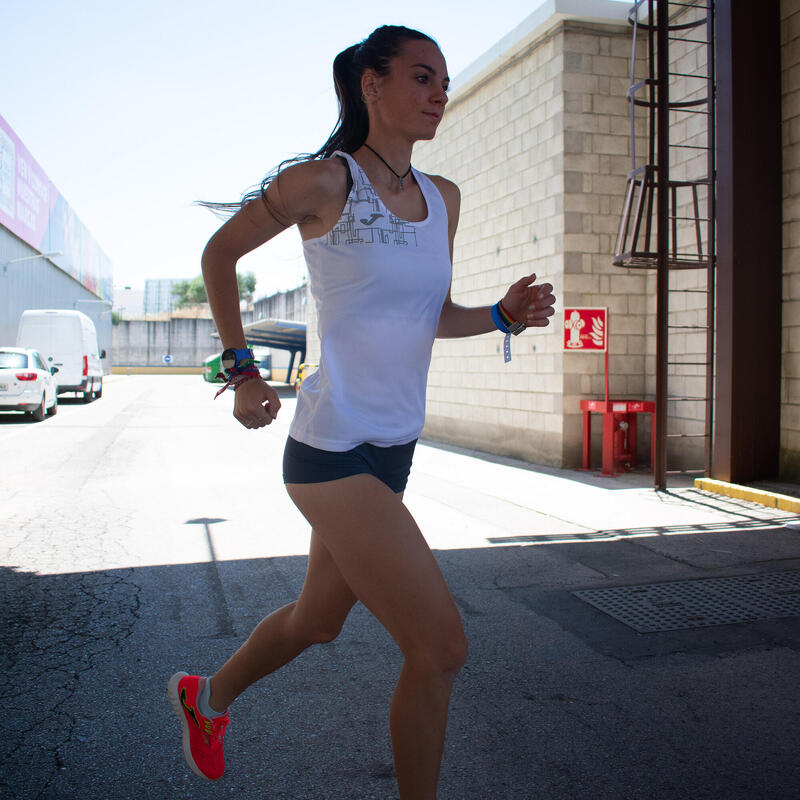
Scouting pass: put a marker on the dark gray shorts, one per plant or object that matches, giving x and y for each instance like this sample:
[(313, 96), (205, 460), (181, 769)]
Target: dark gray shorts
[(305, 464)]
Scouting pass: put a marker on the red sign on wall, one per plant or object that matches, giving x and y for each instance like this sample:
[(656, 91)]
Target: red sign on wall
[(585, 329)]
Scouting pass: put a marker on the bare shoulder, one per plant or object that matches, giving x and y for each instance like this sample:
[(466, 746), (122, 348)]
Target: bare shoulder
[(451, 195), (311, 193), (450, 192)]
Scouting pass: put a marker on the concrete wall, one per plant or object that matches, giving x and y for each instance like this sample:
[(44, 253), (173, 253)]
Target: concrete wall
[(145, 342), (790, 381), (687, 301), (596, 162), (539, 147), (502, 142), (291, 305), (139, 342)]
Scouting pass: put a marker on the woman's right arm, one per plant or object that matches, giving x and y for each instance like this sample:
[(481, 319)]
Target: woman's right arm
[(302, 195)]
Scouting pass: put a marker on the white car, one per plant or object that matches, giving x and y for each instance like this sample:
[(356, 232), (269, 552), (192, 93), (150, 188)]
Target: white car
[(26, 384)]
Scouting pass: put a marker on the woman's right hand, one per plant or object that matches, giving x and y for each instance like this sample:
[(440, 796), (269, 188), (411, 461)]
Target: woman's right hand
[(256, 403)]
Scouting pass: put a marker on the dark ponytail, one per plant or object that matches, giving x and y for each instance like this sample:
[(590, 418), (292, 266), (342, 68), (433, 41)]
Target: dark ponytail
[(352, 127)]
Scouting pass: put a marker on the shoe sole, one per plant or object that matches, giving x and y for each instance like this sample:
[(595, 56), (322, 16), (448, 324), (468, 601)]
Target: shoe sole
[(172, 693)]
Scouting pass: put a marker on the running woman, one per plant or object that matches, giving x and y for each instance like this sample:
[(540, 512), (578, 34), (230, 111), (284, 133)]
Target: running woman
[(378, 241)]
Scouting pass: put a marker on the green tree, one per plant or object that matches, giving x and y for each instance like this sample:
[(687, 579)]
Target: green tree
[(191, 292), (247, 285)]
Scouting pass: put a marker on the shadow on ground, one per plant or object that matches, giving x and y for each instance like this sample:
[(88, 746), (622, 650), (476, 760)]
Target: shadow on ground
[(558, 700)]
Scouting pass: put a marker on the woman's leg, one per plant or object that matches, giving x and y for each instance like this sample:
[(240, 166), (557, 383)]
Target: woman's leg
[(389, 567), (316, 616)]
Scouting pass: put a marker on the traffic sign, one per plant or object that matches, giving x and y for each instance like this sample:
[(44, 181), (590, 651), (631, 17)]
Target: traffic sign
[(167, 359)]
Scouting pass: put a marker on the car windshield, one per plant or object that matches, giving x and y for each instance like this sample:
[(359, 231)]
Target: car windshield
[(13, 360)]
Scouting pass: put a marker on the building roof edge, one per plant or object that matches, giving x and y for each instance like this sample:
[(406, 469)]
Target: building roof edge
[(549, 14)]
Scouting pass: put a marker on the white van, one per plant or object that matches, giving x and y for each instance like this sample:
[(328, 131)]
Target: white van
[(67, 340)]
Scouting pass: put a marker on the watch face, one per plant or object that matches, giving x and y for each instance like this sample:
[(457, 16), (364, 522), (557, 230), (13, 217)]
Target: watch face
[(228, 358)]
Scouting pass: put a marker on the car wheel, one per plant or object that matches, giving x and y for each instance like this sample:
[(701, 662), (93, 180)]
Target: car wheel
[(99, 393), (38, 414), (87, 395), (53, 410)]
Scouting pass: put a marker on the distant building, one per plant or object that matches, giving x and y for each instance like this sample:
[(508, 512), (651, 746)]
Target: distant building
[(128, 302), (158, 294)]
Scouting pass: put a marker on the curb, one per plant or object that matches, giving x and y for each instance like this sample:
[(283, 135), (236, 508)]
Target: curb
[(784, 502)]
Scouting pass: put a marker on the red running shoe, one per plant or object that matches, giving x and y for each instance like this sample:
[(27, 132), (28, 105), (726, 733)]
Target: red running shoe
[(202, 736)]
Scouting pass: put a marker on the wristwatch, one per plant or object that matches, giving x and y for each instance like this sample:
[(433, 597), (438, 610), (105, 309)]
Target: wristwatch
[(233, 359)]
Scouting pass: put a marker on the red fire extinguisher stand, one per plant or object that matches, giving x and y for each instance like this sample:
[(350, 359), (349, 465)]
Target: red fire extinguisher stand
[(586, 330)]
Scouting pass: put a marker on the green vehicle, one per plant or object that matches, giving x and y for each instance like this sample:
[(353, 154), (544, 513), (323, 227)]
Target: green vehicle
[(212, 368)]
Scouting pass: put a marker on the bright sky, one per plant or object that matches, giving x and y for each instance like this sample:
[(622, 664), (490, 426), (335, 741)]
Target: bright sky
[(134, 110)]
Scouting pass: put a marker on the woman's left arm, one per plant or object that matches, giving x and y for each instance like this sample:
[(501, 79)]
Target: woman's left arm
[(525, 301)]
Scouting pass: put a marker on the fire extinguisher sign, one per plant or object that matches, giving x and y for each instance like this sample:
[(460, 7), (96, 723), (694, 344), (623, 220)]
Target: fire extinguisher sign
[(585, 329)]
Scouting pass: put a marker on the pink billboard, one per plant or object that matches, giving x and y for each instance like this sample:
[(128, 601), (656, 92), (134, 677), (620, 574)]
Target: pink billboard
[(32, 208)]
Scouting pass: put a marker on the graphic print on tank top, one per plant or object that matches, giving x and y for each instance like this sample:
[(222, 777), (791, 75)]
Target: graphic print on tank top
[(365, 220)]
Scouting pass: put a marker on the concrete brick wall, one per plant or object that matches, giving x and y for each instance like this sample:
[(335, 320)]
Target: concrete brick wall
[(790, 379), (687, 346), (596, 160), (502, 142), (540, 151)]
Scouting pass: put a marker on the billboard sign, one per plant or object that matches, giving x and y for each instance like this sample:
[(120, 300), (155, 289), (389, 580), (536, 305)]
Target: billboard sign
[(585, 329), (34, 210)]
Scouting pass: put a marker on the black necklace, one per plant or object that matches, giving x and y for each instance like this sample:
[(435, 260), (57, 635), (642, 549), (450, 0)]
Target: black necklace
[(397, 175)]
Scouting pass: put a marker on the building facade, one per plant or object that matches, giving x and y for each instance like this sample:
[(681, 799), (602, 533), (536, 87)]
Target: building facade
[(48, 258), (539, 136)]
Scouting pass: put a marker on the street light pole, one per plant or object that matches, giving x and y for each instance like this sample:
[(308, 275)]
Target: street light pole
[(30, 258)]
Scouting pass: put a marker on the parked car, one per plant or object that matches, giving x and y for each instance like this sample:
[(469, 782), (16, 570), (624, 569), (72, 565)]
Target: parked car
[(67, 340), (26, 383)]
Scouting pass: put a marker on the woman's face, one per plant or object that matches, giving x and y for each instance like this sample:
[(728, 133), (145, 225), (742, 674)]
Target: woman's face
[(412, 97)]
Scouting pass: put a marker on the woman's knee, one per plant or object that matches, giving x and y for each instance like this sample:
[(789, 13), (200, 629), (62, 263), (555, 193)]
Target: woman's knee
[(445, 655)]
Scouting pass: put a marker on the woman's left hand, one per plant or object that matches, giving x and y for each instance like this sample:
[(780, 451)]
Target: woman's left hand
[(529, 303)]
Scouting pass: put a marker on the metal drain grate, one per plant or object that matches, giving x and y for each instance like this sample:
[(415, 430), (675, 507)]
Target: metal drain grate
[(700, 603)]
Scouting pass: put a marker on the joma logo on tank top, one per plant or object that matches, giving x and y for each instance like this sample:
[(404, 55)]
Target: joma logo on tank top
[(363, 221)]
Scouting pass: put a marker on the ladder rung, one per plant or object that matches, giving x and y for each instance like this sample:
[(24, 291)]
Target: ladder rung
[(686, 472), (695, 399), (688, 327), (687, 363), (687, 436), (691, 291), (687, 75), (692, 219), (688, 41)]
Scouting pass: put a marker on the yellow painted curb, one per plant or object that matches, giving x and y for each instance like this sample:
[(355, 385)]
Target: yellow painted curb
[(784, 502), (155, 370)]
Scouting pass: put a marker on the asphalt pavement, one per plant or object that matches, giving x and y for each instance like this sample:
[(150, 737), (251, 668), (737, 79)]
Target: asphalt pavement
[(624, 644)]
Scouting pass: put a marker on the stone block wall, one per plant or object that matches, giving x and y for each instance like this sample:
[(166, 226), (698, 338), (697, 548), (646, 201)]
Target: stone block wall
[(540, 149), (502, 142), (790, 379), (688, 302), (597, 159)]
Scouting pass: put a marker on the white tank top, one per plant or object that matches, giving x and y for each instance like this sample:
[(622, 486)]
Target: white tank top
[(379, 283)]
